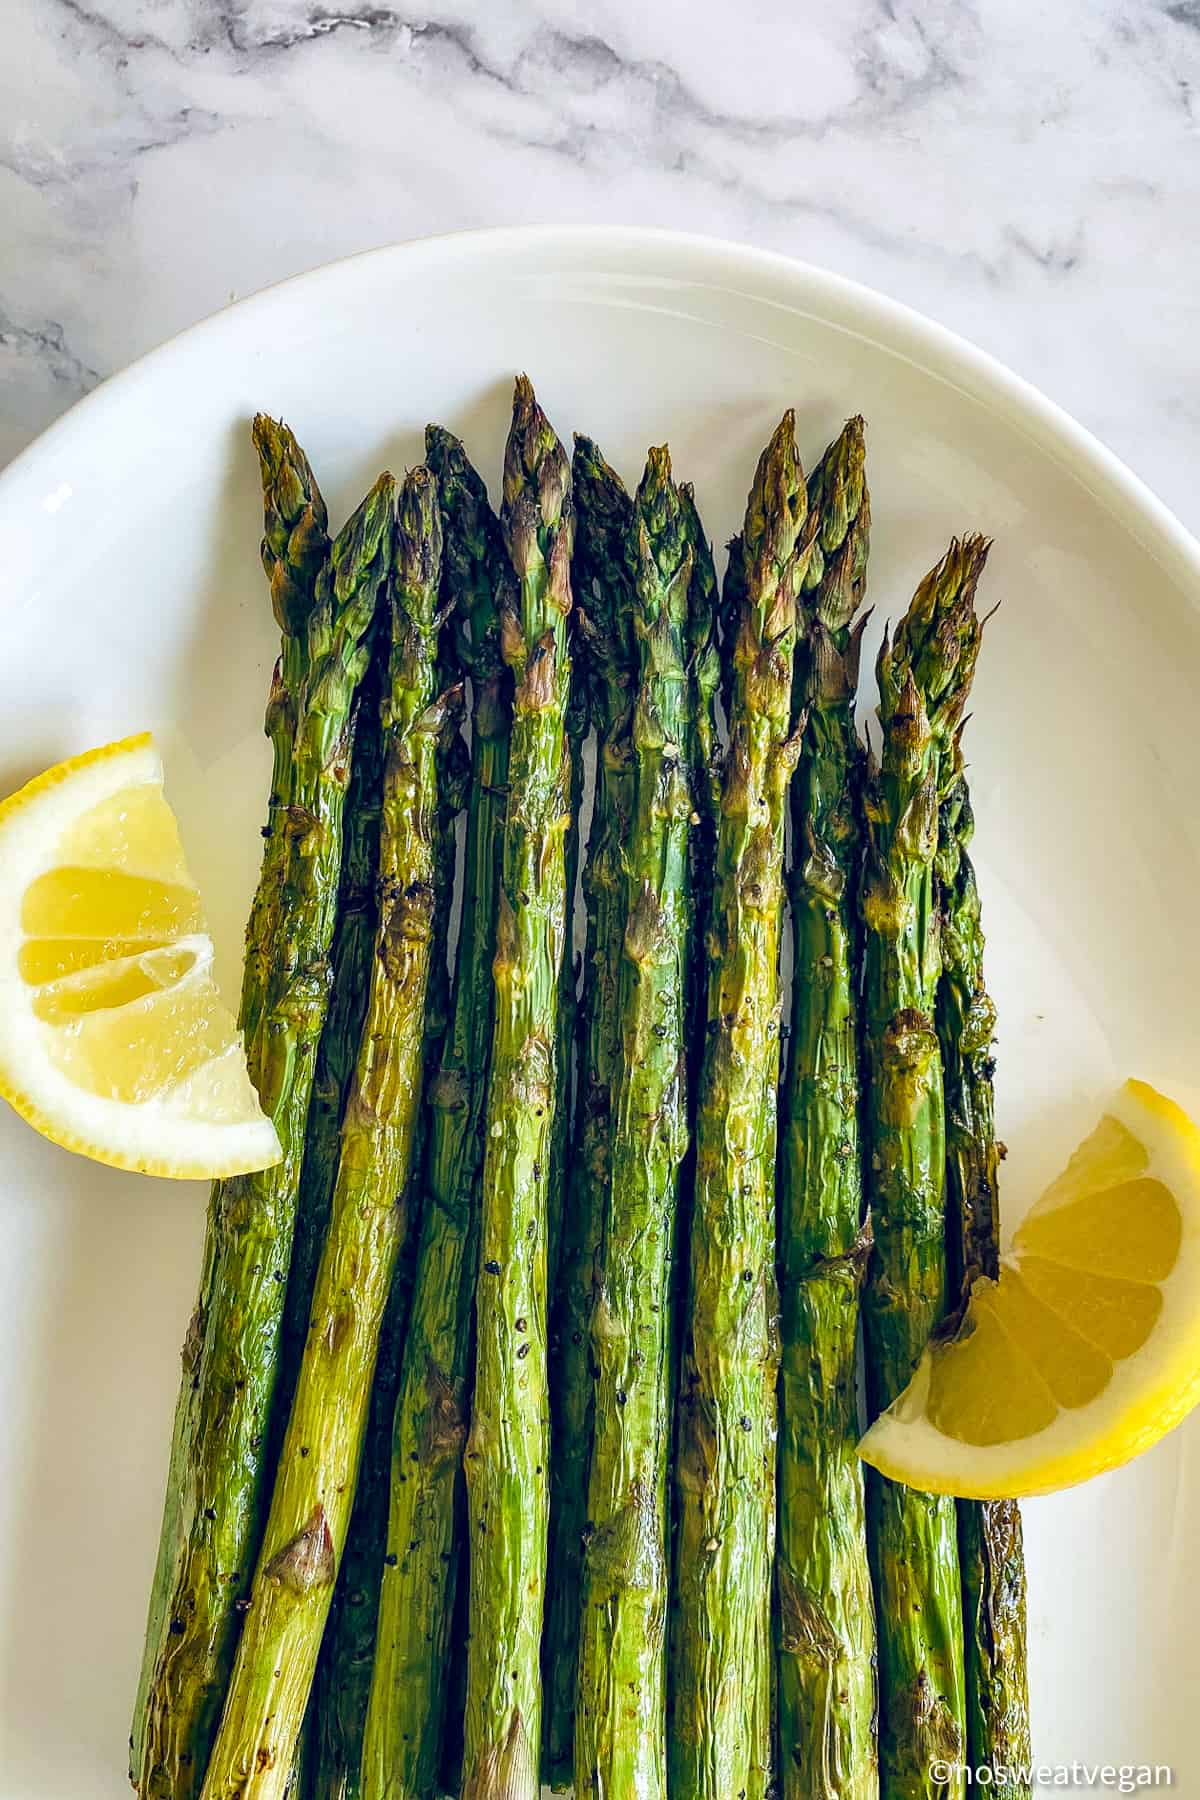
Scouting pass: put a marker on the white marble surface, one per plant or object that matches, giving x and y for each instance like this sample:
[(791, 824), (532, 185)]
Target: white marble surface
[(1024, 170)]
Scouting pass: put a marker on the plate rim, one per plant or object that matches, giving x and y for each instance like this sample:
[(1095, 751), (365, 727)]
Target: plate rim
[(891, 324)]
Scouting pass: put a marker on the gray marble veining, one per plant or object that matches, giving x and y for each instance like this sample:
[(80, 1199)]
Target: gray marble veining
[(1026, 173)]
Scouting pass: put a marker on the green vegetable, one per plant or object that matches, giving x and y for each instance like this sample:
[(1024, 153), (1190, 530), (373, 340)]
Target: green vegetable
[(216, 1496), (705, 675), (721, 1730), (924, 677), (577, 722), (825, 1608), (295, 550), (704, 752), (989, 1534), (508, 1446), (337, 1707), (318, 1466), (337, 1711), (352, 948), (620, 1734), (353, 943), (604, 602), (419, 1578)]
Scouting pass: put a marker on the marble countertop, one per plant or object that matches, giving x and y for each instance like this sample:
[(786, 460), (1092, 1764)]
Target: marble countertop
[(1024, 172)]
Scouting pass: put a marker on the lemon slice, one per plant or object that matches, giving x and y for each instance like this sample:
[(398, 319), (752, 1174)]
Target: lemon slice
[(1087, 1349), (114, 1040)]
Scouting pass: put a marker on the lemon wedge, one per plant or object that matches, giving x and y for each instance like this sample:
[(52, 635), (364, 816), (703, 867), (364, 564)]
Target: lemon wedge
[(114, 1040), (1087, 1349)]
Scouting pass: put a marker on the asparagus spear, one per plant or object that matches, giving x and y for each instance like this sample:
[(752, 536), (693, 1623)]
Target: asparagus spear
[(706, 673), (620, 1735), (351, 964), (215, 1499), (408, 1690), (318, 1466), (295, 547), (604, 600), (825, 1608), (343, 1678), (577, 723), (508, 1447), (337, 1710), (989, 1534), (337, 1707), (704, 755), (924, 676), (721, 1733)]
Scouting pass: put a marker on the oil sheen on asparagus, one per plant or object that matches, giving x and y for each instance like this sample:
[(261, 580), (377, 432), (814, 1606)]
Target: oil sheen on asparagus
[(217, 1483), (318, 1465), (620, 1734), (825, 1609), (509, 1443), (990, 1546), (924, 673), (721, 1728)]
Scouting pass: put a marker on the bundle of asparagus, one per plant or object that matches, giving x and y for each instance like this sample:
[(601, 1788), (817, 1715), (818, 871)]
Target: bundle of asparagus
[(632, 1550), (315, 1479), (218, 1483)]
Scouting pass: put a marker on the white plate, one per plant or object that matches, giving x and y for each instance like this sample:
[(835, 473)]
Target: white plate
[(131, 596)]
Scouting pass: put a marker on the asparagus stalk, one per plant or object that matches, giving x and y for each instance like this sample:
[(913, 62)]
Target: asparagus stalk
[(318, 1466), (295, 547), (577, 723), (705, 676), (508, 1447), (351, 964), (704, 753), (453, 1702), (605, 608), (408, 1690), (824, 1603), (337, 1711), (216, 1495), (989, 1534), (620, 1735), (337, 1707), (924, 677), (721, 1733), (351, 981)]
